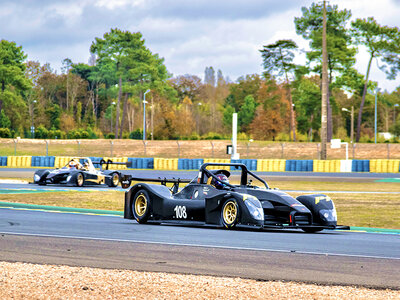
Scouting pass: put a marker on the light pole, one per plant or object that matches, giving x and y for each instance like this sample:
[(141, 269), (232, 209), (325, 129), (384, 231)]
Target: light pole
[(352, 122), (144, 114), (151, 118), (376, 110), (32, 118)]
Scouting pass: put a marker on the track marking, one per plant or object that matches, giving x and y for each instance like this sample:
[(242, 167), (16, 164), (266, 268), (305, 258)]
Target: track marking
[(199, 245)]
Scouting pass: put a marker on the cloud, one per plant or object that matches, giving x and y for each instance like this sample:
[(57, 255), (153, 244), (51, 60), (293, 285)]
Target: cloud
[(190, 35)]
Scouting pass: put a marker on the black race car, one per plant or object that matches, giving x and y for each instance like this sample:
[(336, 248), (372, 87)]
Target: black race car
[(79, 171), (210, 199)]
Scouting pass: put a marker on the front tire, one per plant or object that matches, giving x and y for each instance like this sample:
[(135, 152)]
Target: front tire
[(115, 179), (141, 206), (80, 180), (230, 213)]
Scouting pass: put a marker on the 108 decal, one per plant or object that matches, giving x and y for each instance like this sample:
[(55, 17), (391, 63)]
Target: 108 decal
[(180, 212)]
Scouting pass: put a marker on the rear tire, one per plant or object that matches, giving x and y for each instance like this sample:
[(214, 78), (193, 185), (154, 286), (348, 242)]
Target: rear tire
[(115, 179), (80, 180), (230, 214), (141, 206)]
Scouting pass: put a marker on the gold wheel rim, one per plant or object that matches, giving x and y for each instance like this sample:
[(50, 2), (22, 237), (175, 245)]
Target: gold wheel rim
[(115, 179), (230, 212), (80, 179), (140, 205)]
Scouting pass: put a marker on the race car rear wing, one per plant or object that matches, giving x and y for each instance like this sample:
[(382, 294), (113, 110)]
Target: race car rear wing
[(110, 162), (126, 181)]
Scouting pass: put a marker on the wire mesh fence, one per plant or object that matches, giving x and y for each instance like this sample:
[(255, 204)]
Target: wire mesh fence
[(192, 149)]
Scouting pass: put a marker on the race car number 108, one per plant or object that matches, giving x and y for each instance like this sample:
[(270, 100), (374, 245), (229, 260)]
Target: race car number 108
[(180, 212)]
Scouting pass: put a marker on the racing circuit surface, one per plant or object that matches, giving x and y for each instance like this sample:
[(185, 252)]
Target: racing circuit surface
[(330, 257)]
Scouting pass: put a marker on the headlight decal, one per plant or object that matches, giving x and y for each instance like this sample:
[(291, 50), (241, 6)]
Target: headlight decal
[(328, 214), (255, 208)]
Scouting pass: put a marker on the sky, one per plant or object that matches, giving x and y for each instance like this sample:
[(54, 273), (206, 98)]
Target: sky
[(189, 34)]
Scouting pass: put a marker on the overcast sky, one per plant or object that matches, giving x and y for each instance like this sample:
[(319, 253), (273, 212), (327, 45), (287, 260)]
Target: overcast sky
[(189, 34)]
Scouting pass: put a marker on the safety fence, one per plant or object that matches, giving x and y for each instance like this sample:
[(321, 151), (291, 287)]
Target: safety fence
[(260, 165)]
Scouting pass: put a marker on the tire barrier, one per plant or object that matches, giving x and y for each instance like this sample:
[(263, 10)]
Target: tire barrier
[(218, 160), (384, 165), (299, 165), (19, 161), (326, 166), (260, 165), (141, 163), (189, 164), (360, 165), (118, 160), (61, 161), (3, 161), (271, 165), (251, 164), (165, 164), (43, 161)]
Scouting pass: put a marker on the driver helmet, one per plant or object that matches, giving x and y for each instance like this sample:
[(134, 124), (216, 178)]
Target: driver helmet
[(86, 165), (72, 164), (218, 184)]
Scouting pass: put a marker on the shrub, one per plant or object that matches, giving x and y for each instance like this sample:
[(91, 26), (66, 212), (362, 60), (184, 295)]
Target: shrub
[(73, 134), (56, 134), (5, 133), (41, 132), (92, 134), (301, 137), (125, 135), (282, 137), (242, 136), (110, 135), (84, 134), (213, 136), (136, 134), (194, 136)]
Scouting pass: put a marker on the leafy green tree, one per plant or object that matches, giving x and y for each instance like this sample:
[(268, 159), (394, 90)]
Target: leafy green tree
[(136, 68), (381, 42), (13, 83), (247, 113), (54, 113), (227, 116), (4, 120), (248, 85), (341, 56), (112, 52), (307, 96), (278, 59)]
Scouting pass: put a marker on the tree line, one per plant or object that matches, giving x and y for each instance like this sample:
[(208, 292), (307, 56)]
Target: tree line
[(104, 98)]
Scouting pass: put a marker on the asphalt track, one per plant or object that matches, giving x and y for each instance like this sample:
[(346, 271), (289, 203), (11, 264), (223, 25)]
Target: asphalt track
[(303, 176), (105, 241), (329, 257)]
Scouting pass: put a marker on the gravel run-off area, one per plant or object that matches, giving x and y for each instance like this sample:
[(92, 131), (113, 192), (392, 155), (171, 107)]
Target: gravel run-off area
[(32, 281)]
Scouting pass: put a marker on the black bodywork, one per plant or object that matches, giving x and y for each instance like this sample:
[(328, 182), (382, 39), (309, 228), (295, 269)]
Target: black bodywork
[(256, 206), (84, 176)]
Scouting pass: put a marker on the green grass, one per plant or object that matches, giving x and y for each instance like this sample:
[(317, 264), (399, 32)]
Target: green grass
[(107, 200), (354, 209)]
